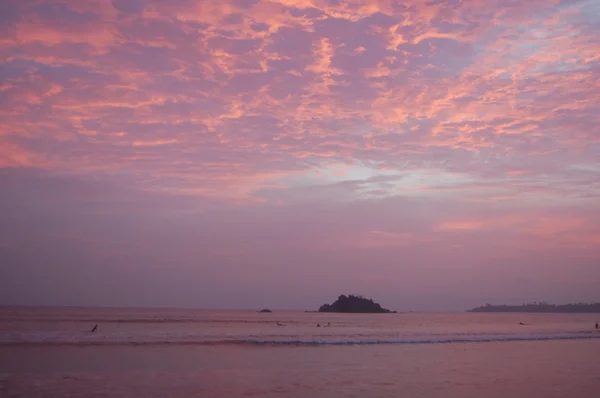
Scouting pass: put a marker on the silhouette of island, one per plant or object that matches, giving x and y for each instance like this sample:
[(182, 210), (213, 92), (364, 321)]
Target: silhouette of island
[(354, 304), (541, 307)]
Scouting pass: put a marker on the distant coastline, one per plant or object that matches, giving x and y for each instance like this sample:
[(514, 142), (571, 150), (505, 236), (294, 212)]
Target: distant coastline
[(577, 308)]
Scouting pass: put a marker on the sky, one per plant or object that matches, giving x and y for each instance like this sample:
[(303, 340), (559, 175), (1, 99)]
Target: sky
[(433, 155)]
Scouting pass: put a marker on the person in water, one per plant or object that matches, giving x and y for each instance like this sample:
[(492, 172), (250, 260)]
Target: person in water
[(94, 328), (597, 326)]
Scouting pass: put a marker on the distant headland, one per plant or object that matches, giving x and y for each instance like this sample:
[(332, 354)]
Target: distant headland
[(354, 304), (577, 308)]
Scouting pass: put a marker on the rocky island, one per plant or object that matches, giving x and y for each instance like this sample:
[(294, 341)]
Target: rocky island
[(578, 308), (354, 304)]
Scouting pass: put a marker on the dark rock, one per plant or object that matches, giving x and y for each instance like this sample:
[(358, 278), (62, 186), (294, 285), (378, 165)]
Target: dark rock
[(354, 304)]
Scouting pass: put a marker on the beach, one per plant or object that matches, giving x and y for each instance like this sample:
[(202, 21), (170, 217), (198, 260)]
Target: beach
[(186, 353)]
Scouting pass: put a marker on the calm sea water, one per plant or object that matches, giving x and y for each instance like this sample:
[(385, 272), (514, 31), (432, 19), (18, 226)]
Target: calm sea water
[(181, 353)]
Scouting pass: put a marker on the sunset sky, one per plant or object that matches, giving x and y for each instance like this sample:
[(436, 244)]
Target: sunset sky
[(434, 155)]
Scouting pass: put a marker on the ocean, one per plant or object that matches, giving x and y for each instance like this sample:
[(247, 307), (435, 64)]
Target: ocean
[(51, 352)]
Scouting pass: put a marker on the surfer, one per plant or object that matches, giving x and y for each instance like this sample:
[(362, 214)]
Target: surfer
[(279, 324), (94, 328), (521, 323), (597, 326)]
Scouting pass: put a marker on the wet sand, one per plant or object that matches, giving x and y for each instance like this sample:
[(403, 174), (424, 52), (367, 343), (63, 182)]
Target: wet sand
[(530, 369)]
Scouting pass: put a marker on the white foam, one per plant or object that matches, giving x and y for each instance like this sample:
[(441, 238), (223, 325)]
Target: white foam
[(85, 339)]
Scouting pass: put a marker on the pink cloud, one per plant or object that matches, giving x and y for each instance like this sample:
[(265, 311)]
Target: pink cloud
[(469, 122)]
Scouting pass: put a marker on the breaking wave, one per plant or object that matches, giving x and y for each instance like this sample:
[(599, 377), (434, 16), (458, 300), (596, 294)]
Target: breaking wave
[(288, 342)]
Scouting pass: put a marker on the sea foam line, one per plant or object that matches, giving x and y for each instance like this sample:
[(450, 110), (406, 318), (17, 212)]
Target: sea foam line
[(296, 342), (417, 341)]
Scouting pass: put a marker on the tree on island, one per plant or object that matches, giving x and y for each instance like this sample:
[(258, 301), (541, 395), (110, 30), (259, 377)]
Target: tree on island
[(354, 304)]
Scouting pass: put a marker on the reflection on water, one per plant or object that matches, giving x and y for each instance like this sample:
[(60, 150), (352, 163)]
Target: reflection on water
[(145, 326), (186, 353)]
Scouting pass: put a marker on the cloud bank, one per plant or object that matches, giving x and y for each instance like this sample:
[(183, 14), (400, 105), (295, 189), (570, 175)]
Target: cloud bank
[(239, 153)]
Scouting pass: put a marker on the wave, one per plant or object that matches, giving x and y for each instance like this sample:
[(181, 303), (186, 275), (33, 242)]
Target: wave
[(142, 320), (299, 342), (418, 341)]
